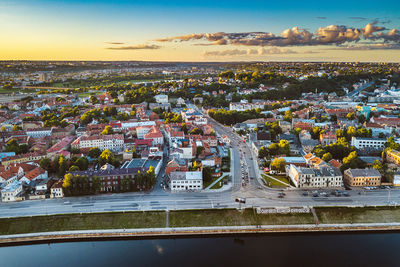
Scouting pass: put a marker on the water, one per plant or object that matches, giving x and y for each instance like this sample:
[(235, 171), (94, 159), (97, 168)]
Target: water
[(334, 249)]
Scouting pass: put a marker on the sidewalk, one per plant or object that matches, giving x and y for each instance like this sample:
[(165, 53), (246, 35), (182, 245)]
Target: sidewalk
[(183, 231)]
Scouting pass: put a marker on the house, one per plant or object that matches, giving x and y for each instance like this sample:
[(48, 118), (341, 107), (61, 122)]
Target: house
[(183, 181), (315, 178), (362, 177), (36, 174), (56, 190)]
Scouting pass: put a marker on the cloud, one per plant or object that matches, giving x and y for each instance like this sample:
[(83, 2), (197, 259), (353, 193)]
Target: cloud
[(249, 52), (358, 18), (370, 29), (115, 43), (135, 47), (296, 36)]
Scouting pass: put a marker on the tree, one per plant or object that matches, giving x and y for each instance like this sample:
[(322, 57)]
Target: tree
[(94, 152), (16, 128), (350, 116), (73, 168), (327, 157), (106, 157), (288, 116), (107, 130), (263, 152), (67, 180), (45, 163), (62, 166), (207, 174), (278, 164), (284, 147)]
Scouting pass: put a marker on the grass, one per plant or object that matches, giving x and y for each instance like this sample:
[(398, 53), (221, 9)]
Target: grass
[(85, 94), (358, 215), (233, 217), (149, 219), (220, 183), (273, 183), (206, 184), (117, 220)]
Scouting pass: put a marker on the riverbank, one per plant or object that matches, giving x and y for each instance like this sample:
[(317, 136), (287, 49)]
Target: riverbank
[(194, 222), (85, 235)]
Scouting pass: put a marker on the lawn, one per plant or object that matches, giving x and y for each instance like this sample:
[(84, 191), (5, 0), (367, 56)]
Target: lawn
[(117, 220), (358, 215), (273, 183), (220, 183), (206, 184), (232, 217)]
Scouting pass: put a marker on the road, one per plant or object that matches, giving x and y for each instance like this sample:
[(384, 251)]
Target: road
[(243, 163), (362, 87)]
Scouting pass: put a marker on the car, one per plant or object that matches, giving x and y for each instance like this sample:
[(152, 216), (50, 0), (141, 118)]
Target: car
[(346, 194), (315, 195), (305, 194)]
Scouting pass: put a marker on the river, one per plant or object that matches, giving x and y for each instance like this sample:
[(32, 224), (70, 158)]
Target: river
[(331, 249)]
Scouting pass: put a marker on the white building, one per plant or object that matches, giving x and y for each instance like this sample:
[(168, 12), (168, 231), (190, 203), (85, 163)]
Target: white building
[(113, 142), (368, 143), (183, 181), (39, 132), (11, 192), (315, 178), (162, 99), (244, 105)]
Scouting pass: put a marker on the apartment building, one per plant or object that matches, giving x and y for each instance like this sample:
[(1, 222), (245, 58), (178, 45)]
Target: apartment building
[(368, 143), (362, 177), (113, 142), (315, 178)]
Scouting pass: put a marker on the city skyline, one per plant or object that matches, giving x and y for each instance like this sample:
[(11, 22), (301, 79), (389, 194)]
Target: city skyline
[(207, 31)]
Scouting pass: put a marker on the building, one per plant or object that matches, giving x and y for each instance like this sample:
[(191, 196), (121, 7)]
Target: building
[(368, 143), (39, 132), (56, 190), (362, 177), (162, 99), (113, 142), (11, 192), (328, 138), (393, 156), (315, 178), (183, 181)]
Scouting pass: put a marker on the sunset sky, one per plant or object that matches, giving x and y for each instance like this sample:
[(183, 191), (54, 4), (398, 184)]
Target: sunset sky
[(188, 30)]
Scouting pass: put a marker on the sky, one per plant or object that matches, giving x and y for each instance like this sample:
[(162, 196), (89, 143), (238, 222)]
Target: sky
[(217, 30)]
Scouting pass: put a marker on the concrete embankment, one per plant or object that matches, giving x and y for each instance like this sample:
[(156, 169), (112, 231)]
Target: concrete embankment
[(84, 235)]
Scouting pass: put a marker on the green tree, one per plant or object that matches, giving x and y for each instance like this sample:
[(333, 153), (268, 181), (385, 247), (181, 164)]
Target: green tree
[(45, 163), (94, 152), (207, 174), (278, 164)]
